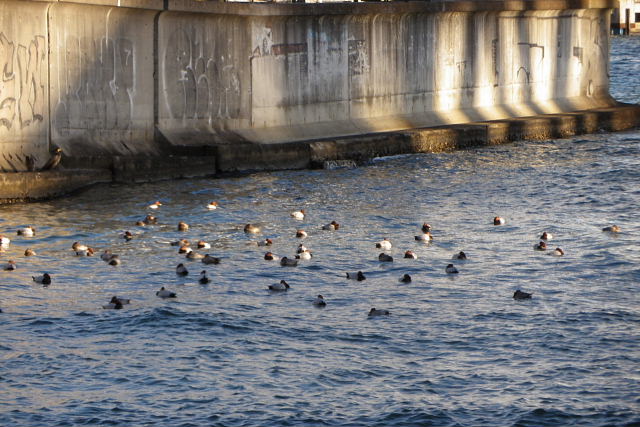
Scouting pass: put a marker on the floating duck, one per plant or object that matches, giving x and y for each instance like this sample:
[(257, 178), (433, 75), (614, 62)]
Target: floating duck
[(140, 224), (319, 301), (410, 254), (181, 242), (208, 259), (301, 234), (265, 242), (163, 293), (385, 258), (194, 255), (405, 279), (82, 250), (44, 280), (332, 226), (127, 235), (106, 255), (424, 237), (301, 248), (29, 252), (375, 312), (251, 229), (450, 269), (499, 221), (542, 246), (288, 262), (518, 294), (359, 276), (184, 250), (183, 226), (546, 236), (203, 280), (304, 255), (115, 260), (384, 244), (28, 231), (269, 256), (212, 206), (114, 304), (150, 220), (460, 255), (4, 241), (10, 266), (203, 245), (612, 229), (155, 205), (557, 252), (280, 287), (299, 215), (426, 228), (181, 270)]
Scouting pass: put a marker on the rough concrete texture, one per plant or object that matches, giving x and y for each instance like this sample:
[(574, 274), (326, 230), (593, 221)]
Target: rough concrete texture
[(24, 86), (101, 73)]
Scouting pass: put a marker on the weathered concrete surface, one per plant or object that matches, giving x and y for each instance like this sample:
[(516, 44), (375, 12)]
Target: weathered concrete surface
[(26, 186), (102, 85), (24, 86)]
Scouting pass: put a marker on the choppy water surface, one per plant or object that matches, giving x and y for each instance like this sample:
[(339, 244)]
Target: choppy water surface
[(455, 350)]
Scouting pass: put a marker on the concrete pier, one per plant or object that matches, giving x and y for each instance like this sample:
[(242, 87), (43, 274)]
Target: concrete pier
[(144, 90)]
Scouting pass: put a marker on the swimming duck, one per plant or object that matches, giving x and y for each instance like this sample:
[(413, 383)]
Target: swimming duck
[(301, 234), (518, 294), (77, 246), (181, 270), (251, 229), (163, 293), (114, 304), (155, 205), (203, 245), (115, 260), (499, 221), (44, 280), (332, 226), (212, 205), (426, 228), (460, 255), (424, 237), (9, 266), (265, 242), (451, 269), (384, 244), (203, 280), (612, 229), (557, 252), (181, 242), (28, 231), (542, 246), (149, 220), (299, 215), (405, 279), (288, 262), (375, 312), (127, 235), (194, 255), (269, 256), (410, 254), (140, 224), (106, 255), (4, 241), (304, 255), (546, 236), (319, 301), (301, 248), (29, 252), (385, 258), (208, 259), (183, 226), (184, 250), (85, 251), (359, 276), (282, 286)]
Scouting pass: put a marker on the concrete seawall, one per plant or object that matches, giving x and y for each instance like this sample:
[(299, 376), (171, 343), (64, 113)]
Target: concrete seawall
[(141, 90)]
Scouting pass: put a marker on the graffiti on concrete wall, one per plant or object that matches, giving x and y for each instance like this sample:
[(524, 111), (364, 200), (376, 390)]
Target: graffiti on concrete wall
[(199, 83), (96, 84), (358, 58), (22, 82)]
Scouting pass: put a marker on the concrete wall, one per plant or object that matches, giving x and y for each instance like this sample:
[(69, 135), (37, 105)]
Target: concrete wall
[(142, 78)]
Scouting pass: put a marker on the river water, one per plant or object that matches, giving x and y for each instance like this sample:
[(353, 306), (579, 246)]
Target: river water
[(455, 350)]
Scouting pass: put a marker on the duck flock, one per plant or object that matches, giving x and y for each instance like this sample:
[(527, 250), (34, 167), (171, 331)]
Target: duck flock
[(197, 251)]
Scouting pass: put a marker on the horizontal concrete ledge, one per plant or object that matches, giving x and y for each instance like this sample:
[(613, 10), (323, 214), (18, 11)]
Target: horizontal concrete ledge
[(250, 157), (374, 7), (28, 186)]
